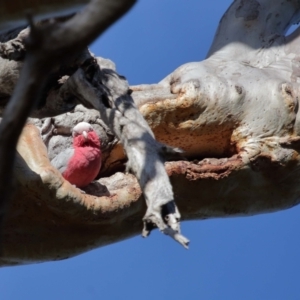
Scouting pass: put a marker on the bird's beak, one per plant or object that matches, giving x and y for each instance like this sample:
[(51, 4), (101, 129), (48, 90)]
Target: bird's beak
[(84, 133)]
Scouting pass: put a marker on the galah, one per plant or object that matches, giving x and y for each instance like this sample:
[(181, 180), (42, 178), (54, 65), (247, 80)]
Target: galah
[(80, 164)]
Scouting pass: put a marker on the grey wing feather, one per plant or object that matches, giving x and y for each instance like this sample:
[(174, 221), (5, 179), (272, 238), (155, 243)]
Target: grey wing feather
[(60, 161)]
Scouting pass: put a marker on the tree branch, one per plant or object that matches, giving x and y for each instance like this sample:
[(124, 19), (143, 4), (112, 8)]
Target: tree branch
[(143, 152), (14, 15), (13, 120), (252, 25)]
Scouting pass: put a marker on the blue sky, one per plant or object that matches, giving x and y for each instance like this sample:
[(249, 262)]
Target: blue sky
[(235, 258)]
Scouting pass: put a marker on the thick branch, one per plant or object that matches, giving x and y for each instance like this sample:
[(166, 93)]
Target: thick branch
[(57, 220), (249, 25), (12, 15), (14, 118)]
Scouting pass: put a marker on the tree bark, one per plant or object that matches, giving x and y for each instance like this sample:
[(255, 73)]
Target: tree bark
[(235, 116)]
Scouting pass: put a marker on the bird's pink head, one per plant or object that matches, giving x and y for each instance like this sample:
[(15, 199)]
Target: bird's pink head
[(84, 135)]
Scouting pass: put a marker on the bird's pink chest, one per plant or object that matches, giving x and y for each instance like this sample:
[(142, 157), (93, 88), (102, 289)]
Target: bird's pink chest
[(84, 166)]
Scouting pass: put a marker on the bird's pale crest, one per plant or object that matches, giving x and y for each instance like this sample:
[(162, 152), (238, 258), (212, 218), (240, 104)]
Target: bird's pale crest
[(81, 127)]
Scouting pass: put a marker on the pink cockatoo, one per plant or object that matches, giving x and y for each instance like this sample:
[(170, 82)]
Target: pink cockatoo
[(81, 164)]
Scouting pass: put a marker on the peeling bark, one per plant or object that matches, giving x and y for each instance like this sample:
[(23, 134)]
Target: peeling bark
[(235, 116)]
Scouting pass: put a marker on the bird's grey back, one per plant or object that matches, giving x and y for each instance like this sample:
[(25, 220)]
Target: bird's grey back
[(61, 160)]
